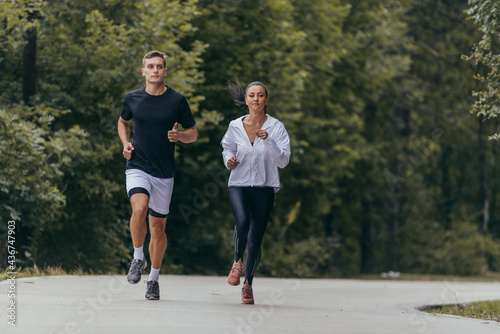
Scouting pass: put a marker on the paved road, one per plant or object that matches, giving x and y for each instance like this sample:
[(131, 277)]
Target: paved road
[(195, 304)]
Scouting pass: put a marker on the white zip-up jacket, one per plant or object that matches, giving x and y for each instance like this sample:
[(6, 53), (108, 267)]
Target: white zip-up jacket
[(259, 162)]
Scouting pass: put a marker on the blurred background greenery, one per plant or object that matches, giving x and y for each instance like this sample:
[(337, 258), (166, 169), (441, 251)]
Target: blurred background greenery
[(392, 168)]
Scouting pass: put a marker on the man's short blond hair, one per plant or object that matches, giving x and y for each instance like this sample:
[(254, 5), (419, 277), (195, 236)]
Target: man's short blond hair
[(153, 54)]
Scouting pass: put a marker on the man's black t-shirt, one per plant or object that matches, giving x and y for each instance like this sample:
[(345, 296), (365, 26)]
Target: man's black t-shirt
[(153, 117)]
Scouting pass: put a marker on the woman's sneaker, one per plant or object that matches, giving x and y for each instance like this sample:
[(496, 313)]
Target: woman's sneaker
[(234, 276), (247, 294), (135, 271), (152, 290)]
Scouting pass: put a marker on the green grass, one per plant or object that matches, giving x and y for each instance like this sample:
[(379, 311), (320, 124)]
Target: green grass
[(487, 310), (487, 277), (35, 271)]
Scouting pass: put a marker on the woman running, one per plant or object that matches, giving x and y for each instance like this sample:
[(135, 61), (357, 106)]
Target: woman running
[(255, 145)]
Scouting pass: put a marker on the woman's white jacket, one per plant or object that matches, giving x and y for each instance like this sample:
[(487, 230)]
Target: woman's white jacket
[(259, 162)]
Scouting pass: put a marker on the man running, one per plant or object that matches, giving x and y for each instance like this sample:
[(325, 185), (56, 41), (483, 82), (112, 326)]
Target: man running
[(157, 110)]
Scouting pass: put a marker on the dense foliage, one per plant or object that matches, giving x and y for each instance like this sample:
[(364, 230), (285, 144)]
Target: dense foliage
[(486, 14), (389, 169)]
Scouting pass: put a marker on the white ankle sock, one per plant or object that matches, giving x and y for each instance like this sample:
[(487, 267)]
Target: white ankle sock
[(139, 253), (154, 274)]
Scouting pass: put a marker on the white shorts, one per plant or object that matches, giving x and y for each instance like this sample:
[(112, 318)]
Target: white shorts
[(159, 190)]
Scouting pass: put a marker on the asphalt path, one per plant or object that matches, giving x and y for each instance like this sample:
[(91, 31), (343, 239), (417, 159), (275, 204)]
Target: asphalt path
[(207, 304)]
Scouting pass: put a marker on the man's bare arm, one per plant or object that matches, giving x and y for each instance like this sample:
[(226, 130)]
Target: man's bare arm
[(187, 136), (124, 134)]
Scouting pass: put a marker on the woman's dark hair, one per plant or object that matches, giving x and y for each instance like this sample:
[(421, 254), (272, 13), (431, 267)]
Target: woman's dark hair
[(238, 94)]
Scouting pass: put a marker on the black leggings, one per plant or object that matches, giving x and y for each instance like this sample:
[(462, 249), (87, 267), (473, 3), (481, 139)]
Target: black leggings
[(251, 207)]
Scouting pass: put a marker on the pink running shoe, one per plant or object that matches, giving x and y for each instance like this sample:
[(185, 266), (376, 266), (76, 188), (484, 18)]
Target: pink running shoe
[(234, 276), (247, 294)]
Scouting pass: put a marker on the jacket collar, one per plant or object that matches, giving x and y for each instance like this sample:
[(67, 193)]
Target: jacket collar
[(268, 124)]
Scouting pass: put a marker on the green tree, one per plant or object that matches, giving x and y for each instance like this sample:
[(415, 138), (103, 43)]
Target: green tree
[(321, 62), (89, 55), (385, 154), (283, 44), (486, 56), (445, 145), (486, 15)]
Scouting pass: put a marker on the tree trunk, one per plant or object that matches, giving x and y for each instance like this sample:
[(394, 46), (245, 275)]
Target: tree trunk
[(367, 236), (29, 63), (3, 26), (484, 178), (366, 216), (493, 193), (446, 193), (333, 234), (393, 230), (397, 201)]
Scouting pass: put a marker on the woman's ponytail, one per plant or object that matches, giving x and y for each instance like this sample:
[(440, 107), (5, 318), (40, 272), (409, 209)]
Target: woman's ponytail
[(237, 93)]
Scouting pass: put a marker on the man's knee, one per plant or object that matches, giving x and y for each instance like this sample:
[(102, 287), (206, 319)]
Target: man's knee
[(157, 227), (140, 212)]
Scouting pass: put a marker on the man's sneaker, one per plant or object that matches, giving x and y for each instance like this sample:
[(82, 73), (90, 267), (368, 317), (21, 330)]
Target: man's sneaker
[(152, 290), (247, 294), (135, 271), (234, 276)]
